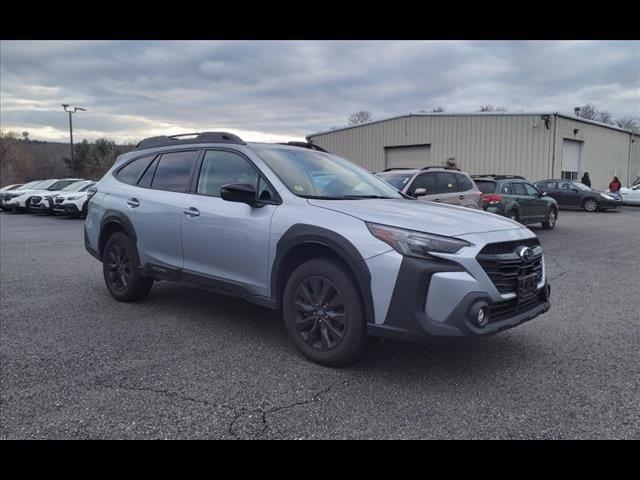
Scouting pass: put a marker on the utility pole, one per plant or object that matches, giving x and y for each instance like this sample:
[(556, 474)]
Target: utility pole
[(72, 110)]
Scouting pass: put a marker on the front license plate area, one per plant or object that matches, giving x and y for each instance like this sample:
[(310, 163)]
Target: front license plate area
[(527, 287)]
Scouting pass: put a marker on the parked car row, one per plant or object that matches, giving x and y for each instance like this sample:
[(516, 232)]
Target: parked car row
[(68, 196), (510, 196)]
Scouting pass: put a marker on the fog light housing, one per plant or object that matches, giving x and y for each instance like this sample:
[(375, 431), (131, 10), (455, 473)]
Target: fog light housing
[(479, 314)]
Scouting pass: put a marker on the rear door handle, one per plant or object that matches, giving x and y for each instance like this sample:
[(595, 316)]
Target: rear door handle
[(436, 200), (133, 202), (191, 212)]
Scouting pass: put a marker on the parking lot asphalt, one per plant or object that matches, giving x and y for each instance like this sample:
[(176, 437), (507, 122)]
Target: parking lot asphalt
[(187, 363)]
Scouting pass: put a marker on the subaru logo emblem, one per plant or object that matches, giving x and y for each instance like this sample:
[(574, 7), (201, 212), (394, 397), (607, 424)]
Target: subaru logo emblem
[(526, 254)]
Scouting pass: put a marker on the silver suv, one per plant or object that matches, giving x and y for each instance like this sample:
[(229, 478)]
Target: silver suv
[(339, 251), (435, 184)]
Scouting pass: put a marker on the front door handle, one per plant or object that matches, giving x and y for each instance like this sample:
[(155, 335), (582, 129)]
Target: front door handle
[(133, 202), (191, 212), (436, 200), (461, 197)]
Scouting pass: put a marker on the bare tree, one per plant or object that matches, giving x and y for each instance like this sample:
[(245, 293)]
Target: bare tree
[(438, 110), (628, 123), (360, 117), (590, 112), (491, 108), (25, 136)]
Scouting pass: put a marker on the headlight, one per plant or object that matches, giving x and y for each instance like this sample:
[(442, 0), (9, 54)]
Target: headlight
[(415, 244), (75, 198), (608, 197)]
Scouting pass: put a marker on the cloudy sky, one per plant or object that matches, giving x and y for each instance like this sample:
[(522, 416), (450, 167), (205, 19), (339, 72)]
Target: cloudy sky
[(274, 91)]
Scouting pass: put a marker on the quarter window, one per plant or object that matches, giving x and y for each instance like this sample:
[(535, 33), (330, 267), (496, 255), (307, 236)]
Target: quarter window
[(446, 182), (173, 171), (464, 184), (221, 167), (131, 172)]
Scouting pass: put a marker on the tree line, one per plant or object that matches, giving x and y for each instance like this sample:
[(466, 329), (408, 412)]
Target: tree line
[(23, 159)]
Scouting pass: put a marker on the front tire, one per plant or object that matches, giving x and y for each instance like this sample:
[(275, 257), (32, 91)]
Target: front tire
[(120, 269), (590, 205), (552, 217), (323, 312)]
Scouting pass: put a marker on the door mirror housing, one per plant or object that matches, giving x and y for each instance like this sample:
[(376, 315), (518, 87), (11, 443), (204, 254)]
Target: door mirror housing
[(419, 192), (240, 193), (575, 190)]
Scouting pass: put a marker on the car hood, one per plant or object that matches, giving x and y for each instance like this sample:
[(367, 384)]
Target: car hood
[(427, 217)]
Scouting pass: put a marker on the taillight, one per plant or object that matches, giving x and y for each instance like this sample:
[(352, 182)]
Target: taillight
[(492, 199)]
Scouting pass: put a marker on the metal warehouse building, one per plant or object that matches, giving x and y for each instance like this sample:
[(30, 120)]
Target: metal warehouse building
[(534, 145)]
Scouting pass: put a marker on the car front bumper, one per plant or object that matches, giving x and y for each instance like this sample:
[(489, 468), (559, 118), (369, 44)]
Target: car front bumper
[(604, 203), (66, 208), (440, 298)]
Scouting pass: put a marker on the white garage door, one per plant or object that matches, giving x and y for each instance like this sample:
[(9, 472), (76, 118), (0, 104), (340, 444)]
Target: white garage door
[(414, 156), (570, 159)]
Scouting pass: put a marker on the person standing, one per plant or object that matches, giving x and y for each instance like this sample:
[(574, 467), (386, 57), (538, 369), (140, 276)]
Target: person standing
[(586, 180), (615, 186)]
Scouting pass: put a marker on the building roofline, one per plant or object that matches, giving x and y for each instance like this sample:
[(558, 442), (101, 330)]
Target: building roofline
[(470, 114)]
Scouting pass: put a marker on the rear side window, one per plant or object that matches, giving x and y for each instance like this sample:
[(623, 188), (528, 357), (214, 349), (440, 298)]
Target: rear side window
[(220, 168), (426, 181), (131, 172), (486, 186), (147, 176), (173, 171), (464, 183), (505, 189), (518, 189), (446, 182)]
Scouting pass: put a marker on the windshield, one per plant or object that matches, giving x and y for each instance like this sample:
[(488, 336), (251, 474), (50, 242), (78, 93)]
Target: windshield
[(75, 186), (45, 184), (311, 174), (397, 180), (59, 185), (29, 185), (581, 186)]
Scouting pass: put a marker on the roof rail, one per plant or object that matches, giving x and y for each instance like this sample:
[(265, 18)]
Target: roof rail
[(308, 145), (439, 166), (204, 137), (397, 168), (499, 177)]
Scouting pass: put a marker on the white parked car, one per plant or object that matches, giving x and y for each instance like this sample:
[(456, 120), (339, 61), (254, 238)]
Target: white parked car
[(44, 202), (630, 196), (21, 199), (73, 203)]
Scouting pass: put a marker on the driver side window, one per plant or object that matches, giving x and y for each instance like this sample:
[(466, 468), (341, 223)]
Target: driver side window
[(221, 167), (531, 190)]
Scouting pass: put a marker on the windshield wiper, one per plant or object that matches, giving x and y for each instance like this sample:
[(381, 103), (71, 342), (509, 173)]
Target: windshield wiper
[(365, 196)]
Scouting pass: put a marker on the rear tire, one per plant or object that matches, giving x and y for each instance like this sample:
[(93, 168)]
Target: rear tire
[(513, 215), (590, 205), (324, 313), (552, 217), (120, 269)]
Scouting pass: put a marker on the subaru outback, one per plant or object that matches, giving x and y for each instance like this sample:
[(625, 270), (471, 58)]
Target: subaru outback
[(340, 252)]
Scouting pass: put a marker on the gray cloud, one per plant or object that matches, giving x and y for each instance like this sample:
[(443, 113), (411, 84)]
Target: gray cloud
[(277, 90)]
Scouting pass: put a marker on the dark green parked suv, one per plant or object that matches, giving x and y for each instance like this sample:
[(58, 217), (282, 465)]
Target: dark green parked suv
[(512, 196)]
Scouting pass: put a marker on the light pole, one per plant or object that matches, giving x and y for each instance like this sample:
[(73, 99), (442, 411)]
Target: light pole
[(71, 110)]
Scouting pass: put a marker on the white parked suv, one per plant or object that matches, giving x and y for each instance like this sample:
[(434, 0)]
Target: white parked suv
[(22, 201), (73, 203)]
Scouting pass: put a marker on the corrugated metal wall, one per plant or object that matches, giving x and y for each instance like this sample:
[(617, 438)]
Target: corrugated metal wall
[(508, 144), (605, 151)]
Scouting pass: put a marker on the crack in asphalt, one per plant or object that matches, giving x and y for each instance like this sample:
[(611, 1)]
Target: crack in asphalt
[(264, 413), (239, 412), (557, 264)]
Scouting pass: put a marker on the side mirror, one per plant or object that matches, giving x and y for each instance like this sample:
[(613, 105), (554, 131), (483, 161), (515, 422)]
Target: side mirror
[(419, 192), (575, 190), (543, 194), (241, 193)]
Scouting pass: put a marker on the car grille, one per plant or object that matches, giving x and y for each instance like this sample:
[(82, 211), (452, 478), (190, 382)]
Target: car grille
[(503, 266), (508, 247), (500, 311)]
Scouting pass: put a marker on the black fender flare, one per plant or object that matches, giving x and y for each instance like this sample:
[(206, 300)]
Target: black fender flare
[(115, 216), (300, 234)]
